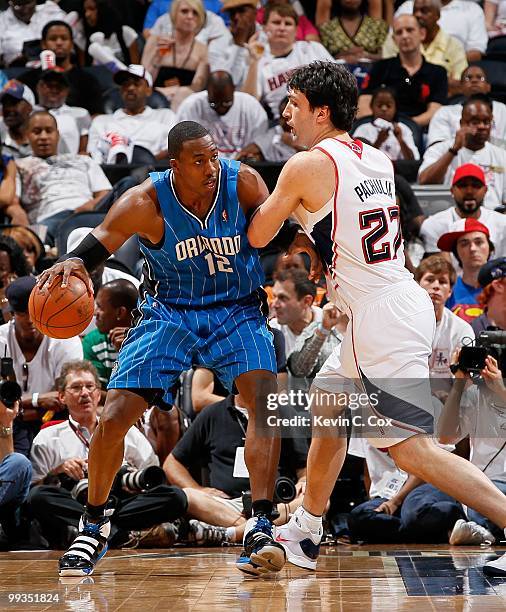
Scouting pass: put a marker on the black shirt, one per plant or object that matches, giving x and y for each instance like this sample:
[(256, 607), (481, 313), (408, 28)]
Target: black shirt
[(213, 437), (415, 92), (84, 91)]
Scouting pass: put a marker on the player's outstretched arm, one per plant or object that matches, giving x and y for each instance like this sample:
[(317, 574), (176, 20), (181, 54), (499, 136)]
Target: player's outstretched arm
[(307, 178), (135, 212)]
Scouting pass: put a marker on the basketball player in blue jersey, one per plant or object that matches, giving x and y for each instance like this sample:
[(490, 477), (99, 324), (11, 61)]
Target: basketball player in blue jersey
[(201, 304), (342, 193)]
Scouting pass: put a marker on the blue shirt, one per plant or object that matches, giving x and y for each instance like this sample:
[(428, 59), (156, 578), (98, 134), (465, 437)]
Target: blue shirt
[(157, 8), (463, 294)]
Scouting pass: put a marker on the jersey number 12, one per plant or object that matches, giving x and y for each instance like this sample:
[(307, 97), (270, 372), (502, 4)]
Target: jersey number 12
[(222, 263)]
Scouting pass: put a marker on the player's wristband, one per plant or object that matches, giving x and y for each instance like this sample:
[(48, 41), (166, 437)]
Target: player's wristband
[(90, 251), (35, 400)]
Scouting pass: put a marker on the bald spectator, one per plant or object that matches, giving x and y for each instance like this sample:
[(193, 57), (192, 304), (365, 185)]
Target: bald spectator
[(421, 87), (468, 191), (136, 123), (232, 117), (462, 19), (446, 122), (17, 103), (21, 22), (438, 47), (470, 145)]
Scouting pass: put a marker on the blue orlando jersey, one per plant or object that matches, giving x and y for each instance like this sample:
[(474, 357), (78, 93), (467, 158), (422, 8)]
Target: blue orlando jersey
[(202, 262)]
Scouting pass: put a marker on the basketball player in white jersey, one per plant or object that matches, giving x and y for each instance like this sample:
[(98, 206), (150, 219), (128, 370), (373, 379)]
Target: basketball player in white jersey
[(342, 193)]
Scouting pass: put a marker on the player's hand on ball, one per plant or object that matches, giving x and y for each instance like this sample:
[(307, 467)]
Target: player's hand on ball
[(302, 244), (65, 269)]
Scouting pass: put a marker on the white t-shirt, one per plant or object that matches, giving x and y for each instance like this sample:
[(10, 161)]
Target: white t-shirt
[(460, 18), (501, 10), (147, 129), (129, 36), (450, 334), (290, 337), (13, 32), (272, 146), (438, 224), (234, 130), (491, 159), (60, 182), (57, 443), (41, 372), (446, 122), (391, 146), (483, 418), (273, 72)]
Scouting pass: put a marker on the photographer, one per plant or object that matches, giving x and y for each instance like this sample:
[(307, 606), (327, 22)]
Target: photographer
[(476, 407), (59, 457), (492, 278)]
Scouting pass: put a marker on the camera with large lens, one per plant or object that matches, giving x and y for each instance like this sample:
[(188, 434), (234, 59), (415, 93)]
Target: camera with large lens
[(134, 481), (472, 358), (80, 491), (284, 490), (10, 391)]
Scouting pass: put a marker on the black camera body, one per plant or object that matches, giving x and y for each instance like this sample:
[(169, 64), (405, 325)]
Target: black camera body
[(472, 358), (10, 391)]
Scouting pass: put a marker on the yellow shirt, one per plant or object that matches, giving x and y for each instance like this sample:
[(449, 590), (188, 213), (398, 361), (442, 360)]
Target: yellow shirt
[(444, 50)]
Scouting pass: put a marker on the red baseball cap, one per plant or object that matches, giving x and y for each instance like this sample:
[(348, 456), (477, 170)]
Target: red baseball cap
[(463, 226), (467, 170)]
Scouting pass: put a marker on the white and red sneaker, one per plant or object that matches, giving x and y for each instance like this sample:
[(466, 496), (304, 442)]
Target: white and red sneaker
[(301, 544)]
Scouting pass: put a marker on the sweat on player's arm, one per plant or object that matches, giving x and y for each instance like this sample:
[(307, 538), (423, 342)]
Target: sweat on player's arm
[(302, 180)]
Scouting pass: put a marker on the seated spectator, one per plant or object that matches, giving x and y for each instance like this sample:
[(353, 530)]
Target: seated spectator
[(477, 411), (22, 22), (215, 442), (159, 8), (53, 89), (136, 124), (114, 303), (468, 191), (402, 508), (176, 59), (13, 264), (437, 47), (471, 145), (275, 144), (85, 90), (437, 276), (411, 216), (492, 279), (268, 72), (352, 35), (421, 87), (27, 239), (445, 124), (103, 16), (53, 186), (233, 118), (463, 20), (495, 17), (385, 133), (469, 241), (37, 359), (243, 26), (17, 104), (8, 200), (305, 29), (15, 478), (316, 342)]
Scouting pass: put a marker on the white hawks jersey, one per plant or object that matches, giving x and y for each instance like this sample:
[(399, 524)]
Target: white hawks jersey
[(357, 233)]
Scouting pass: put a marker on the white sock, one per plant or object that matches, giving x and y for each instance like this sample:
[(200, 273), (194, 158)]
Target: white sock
[(312, 522), (230, 534)]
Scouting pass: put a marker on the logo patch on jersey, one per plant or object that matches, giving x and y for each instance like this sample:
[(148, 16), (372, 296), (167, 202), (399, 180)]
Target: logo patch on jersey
[(355, 146)]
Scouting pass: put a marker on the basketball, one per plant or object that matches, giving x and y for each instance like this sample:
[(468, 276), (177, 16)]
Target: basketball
[(61, 312)]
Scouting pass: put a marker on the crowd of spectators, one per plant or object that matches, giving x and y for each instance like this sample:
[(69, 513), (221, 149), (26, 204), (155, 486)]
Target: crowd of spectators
[(88, 93)]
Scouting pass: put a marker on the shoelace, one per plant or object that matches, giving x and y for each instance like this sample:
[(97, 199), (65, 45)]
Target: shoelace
[(264, 525)]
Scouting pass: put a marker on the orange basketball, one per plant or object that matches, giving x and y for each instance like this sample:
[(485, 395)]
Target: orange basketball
[(61, 312)]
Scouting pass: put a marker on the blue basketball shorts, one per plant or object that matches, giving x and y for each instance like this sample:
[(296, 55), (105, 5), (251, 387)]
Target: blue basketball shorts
[(166, 341)]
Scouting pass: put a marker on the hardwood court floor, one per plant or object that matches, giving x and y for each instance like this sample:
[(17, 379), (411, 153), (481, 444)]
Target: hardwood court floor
[(349, 578)]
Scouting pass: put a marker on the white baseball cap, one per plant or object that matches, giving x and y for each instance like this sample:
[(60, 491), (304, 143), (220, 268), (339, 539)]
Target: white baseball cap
[(133, 69)]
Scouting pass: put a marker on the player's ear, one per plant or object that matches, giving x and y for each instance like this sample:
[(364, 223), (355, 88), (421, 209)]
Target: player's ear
[(174, 164), (323, 114)]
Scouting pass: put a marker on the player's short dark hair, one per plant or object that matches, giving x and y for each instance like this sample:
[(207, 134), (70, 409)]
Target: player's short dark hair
[(180, 133), (283, 10), (328, 84), (303, 286), (121, 292), (56, 23), (478, 97), (436, 264)]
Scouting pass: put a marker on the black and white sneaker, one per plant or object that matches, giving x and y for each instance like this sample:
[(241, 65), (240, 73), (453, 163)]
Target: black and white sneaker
[(89, 546), (261, 554)]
